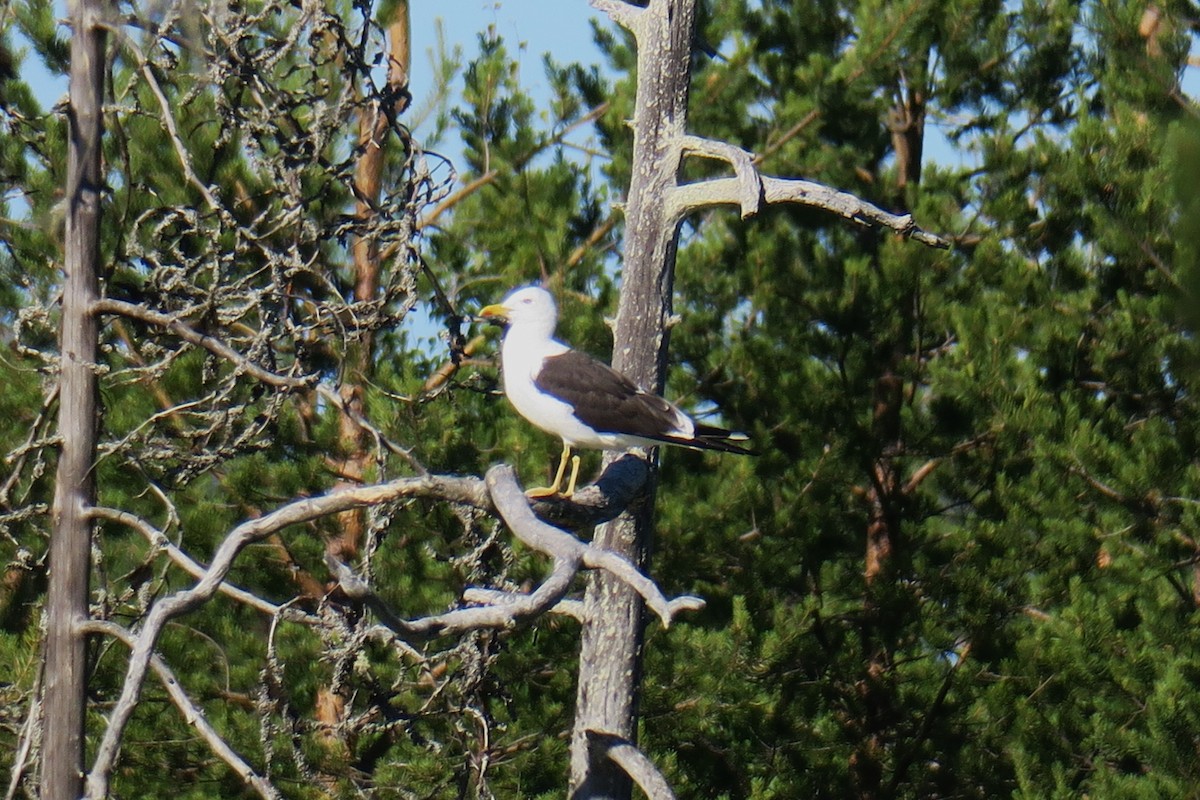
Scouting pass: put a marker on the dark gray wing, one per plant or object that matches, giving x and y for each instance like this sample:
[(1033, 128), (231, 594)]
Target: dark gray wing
[(604, 399), (608, 402)]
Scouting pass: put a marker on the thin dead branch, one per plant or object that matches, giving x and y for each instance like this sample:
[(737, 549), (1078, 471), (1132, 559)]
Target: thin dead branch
[(733, 191), (500, 491), (191, 713), (213, 345), (159, 541)]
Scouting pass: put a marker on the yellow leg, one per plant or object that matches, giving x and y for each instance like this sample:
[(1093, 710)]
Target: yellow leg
[(574, 475), (548, 491)]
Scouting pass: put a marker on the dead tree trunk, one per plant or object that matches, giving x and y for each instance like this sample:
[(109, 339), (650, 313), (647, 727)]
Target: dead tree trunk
[(67, 604), (610, 659)]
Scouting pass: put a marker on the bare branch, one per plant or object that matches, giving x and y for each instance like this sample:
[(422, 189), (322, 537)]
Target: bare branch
[(598, 558), (633, 761), (514, 507), (507, 497), (521, 608), (190, 711), (19, 454), (785, 190), (507, 610), (168, 120), (213, 345), (30, 734), (158, 539), (750, 183), (731, 191), (496, 597), (470, 490), (748, 188), (624, 14)]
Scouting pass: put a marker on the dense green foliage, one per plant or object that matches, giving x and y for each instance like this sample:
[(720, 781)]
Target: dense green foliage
[(966, 562), (1016, 419)]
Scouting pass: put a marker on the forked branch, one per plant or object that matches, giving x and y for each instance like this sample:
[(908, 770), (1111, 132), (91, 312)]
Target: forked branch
[(514, 508), (168, 608), (191, 713), (192, 336), (499, 492), (690, 197), (506, 609), (158, 540), (748, 188)]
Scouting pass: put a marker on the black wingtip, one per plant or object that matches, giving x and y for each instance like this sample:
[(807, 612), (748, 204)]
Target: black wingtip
[(709, 437), (723, 446), (718, 439)]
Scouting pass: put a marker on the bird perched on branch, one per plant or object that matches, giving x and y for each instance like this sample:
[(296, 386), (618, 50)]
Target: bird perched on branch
[(584, 402)]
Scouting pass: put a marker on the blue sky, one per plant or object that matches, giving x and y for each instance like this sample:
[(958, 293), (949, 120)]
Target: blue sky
[(530, 28)]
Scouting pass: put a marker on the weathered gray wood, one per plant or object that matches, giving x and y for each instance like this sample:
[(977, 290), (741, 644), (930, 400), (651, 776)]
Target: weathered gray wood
[(67, 603), (610, 658)]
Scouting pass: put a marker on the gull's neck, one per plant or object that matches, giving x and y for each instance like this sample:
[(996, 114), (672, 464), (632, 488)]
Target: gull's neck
[(530, 339)]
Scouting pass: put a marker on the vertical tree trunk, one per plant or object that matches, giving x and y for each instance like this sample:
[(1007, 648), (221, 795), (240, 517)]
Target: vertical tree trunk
[(885, 492), (356, 458), (610, 659), (67, 604), (374, 128)]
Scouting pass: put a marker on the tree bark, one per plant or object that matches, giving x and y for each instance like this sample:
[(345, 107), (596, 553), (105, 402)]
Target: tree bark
[(886, 490), (610, 658), (67, 603), (357, 459), (374, 126)]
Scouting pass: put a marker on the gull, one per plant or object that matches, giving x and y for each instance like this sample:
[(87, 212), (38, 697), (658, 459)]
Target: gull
[(581, 400)]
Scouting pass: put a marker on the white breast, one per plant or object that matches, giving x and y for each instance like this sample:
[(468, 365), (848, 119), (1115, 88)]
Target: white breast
[(521, 360)]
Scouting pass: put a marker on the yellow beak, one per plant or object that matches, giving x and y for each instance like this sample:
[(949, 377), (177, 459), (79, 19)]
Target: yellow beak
[(497, 310)]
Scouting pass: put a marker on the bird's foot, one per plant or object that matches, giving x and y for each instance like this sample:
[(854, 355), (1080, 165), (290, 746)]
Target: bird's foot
[(541, 491)]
